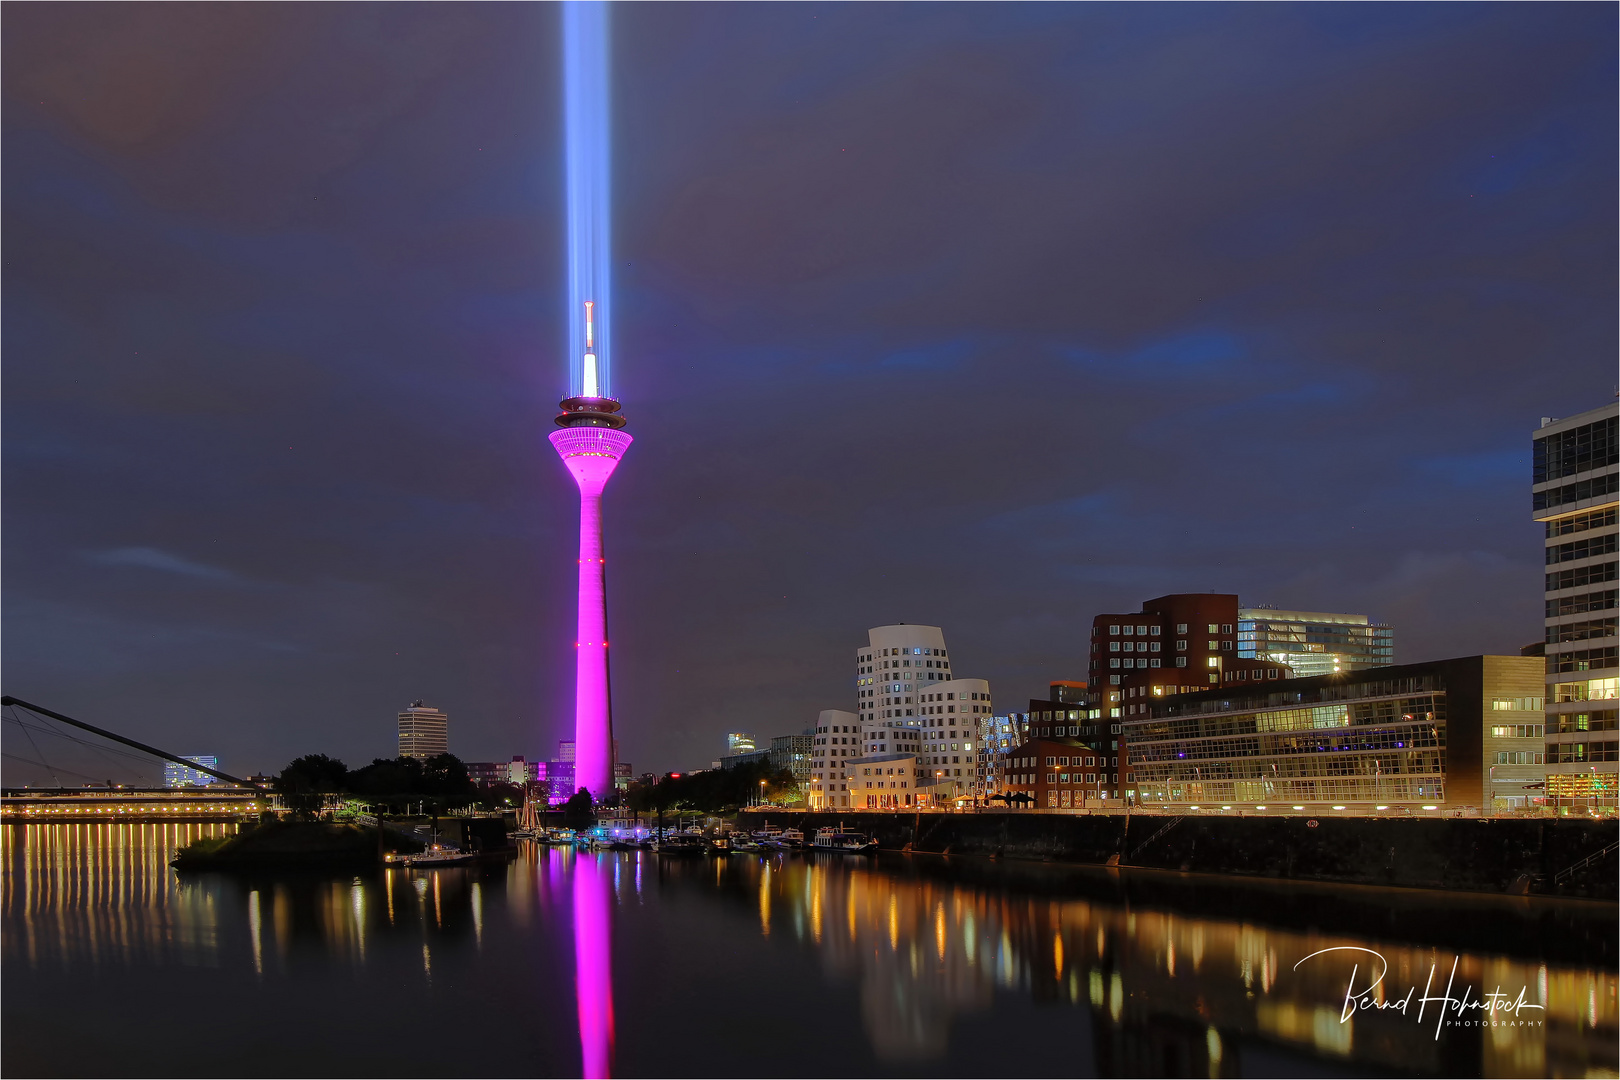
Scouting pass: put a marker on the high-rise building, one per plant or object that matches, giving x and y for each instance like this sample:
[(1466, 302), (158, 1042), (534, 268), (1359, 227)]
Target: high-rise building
[(1175, 644), (179, 776), (423, 731), (1576, 491), (1419, 738), (1314, 642), (740, 742), (908, 700)]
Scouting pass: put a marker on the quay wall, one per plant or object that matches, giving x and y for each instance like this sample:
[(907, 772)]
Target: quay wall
[(1493, 855)]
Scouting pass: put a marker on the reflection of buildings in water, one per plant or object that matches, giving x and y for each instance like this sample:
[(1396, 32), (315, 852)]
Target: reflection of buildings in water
[(1180, 996), (104, 893), (1169, 995), (915, 947)]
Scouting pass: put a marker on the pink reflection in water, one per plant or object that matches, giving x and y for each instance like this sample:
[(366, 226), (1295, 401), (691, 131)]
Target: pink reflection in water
[(593, 959)]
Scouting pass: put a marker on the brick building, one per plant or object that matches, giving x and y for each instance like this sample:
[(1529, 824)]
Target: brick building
[(1060, 772)]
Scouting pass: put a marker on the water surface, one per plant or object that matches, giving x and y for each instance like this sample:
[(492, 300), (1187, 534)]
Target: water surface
[(633, 964)]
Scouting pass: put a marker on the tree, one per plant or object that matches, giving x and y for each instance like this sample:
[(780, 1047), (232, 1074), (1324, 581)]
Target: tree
[(439, 781), (577, 812), (304, 781)]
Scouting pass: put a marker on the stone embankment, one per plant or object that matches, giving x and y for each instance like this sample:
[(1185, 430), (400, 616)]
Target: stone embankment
[(1539, 856)]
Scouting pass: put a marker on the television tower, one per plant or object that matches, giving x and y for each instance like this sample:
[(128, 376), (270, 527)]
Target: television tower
[(591, 442)]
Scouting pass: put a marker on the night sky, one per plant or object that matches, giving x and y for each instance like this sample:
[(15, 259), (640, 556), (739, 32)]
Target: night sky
[(988, 317)]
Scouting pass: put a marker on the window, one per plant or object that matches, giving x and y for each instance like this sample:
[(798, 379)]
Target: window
[(1226, 628), (1596, 487), (1113, 629), (1517, 731), (1590, 446), (1214, 629), (1141, 630), (1155, 662), (1521, 704), (1155, 630), (1584, 548), (1214, 661), (1226, 646), (1214, 645), (1518, 757), (1051, 761), (1154, 646), (1597, 519)]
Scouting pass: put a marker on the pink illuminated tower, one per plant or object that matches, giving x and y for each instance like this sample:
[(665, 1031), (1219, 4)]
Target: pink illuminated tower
[(591, 443)]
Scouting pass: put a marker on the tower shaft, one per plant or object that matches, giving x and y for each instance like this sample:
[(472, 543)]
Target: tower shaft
[(591, 454)]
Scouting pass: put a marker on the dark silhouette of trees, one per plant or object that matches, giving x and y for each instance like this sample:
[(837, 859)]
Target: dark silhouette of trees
[(305, 781), (439, 782), (577, 812), (717, 790)]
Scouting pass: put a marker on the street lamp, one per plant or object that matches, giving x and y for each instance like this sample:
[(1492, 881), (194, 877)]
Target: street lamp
[(762, 793)]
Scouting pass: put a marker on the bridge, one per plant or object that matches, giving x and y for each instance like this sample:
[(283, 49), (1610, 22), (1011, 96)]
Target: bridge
[(213, 803)]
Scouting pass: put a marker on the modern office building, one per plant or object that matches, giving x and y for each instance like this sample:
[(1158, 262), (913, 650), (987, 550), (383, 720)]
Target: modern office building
[(1175, 644), (1061, 720), (908, 700), (518, 771), (1575, 494), (1314, 642), (1422, 738), (423, 731), (998, 736), (889, 782), (179, 776), (1070, 692), (740, 742), (794, 753), (837, 743)]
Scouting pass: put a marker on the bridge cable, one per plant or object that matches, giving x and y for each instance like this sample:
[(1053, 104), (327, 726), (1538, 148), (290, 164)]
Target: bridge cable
[(41, 764), (104, 751), (37, 751)]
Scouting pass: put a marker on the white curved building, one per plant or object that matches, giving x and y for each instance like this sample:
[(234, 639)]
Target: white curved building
[(908, 701)]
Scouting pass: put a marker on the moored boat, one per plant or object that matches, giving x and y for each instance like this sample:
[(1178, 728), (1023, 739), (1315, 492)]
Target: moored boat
[(840, 839), (436, 855), (680, 844)]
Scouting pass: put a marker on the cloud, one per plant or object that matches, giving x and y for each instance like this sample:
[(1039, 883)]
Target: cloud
[(153, 559)]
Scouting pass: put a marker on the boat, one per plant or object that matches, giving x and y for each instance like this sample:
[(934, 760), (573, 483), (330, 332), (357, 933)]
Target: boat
[(437, 855), (680, 844), (786, 840), (841, 839), (522, 834), (720, 845), (560, 836), (769, 832)]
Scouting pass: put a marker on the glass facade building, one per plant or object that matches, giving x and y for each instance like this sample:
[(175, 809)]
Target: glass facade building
[(179, 776), (1314, 642), (1574, 482), (1419, 737)]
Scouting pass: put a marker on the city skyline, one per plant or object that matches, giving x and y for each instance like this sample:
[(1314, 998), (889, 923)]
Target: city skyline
[(1290, 286)]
